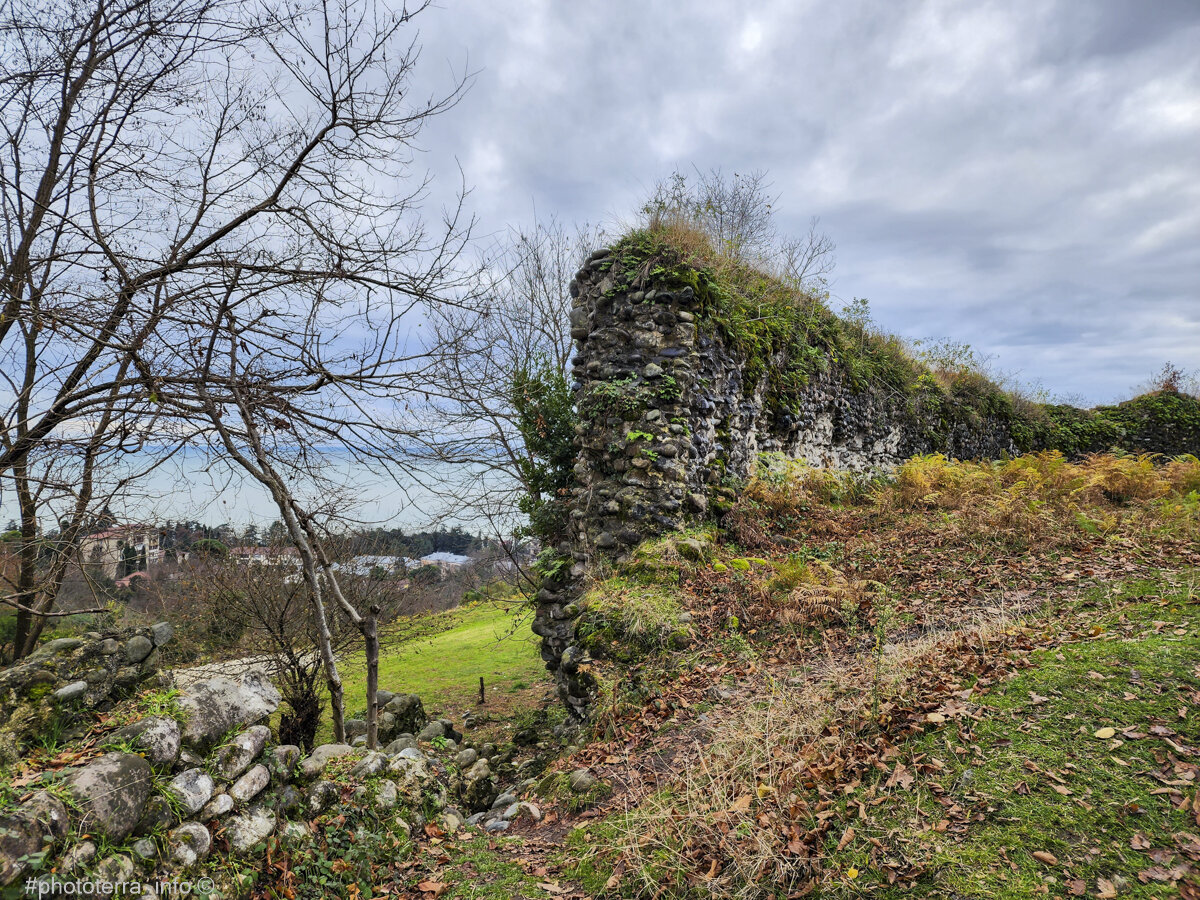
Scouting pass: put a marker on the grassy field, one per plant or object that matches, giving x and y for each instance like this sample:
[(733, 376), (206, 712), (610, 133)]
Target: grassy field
[(441, 657)]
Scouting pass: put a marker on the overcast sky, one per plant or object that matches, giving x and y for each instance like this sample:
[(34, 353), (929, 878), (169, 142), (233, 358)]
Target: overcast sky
[(1021, 176)]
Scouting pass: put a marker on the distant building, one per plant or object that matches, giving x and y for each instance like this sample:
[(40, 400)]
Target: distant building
[(122, 550), (445, 560), (266, 556)]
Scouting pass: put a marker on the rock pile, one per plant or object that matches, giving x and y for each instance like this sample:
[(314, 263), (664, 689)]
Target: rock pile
[(92, 672), (168, 785)]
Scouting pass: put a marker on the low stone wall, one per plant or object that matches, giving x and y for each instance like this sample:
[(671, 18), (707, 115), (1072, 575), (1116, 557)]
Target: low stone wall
[(173, 795), (39, 693)]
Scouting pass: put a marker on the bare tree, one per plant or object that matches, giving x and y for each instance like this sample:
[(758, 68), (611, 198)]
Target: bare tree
[(213, 229), (736, 214), (494, 360)]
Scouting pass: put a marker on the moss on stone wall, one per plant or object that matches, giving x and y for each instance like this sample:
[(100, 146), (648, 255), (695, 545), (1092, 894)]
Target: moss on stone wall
[(786, 336)]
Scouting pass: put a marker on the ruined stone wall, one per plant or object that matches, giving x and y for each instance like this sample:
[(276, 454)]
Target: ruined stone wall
[(669, 421)]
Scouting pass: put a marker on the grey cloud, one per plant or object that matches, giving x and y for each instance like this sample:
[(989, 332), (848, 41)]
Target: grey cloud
[(1023, 176)]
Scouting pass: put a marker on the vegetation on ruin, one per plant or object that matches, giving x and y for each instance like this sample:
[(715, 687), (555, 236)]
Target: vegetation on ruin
[(786, 333)]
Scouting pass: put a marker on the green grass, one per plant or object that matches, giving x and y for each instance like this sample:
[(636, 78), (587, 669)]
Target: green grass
[(1030, 775), (441, 658)]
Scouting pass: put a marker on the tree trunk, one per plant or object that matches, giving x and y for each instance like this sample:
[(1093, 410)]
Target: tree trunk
[(371, 633)]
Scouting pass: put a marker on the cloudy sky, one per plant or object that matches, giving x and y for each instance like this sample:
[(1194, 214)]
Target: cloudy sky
[(1021, 176)]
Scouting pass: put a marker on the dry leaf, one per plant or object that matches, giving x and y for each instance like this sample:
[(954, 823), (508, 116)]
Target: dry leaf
[(1043, 856)]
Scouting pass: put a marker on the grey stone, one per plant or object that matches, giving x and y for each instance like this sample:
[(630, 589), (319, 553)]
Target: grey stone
[(530, 811), (247, 830), (145, 850), (235, 757), (496, 825), (161, 633), (156, 815), (355, 728), (250, 785), (295, 832), (73, 691), (78, 856), (371, 764), (321, 757), (581, 781), (192, 788), (431, 731), (109, 646), (466, 758), (218, 806), (138, 648), (217, 705), (282, 762), (61, 645), (386, 796), (652, 370), (504, 800), (383, 698), (115, 869), (451, 821), (322, 796), (288, 800), (404, 742), (188, 844), (40, 820), (158, 736), (111, 792), (409, 713)]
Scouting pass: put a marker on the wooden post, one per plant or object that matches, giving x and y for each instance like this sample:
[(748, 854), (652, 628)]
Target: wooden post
[(481, 694)]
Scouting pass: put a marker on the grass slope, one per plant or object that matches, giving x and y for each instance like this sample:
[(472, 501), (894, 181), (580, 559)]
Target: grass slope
[(441, 657), (1034, 771)]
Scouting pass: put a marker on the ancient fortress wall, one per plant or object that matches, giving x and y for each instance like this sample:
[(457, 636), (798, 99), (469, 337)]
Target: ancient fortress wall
[(671, 415)]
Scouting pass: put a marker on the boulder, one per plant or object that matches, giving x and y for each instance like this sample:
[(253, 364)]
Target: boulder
[(158, 736), (235, 757), (192, 788), (250, 828), (217, 705), (111, 792), (321, 757), (409, 713), (355, 728), (188, 844), (39, 820), (250, 785)]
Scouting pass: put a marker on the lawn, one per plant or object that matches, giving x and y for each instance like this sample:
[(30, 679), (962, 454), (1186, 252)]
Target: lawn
[(1075, 778), (442, 656)]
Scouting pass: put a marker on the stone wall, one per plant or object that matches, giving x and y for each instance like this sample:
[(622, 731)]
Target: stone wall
[(90, 672), (199, 779), (670, 420)]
